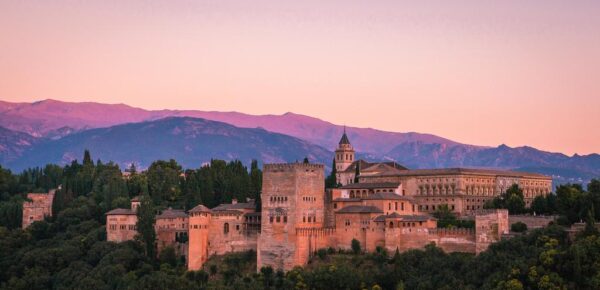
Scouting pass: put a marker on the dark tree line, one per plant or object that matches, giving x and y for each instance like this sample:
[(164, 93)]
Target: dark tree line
[(70, 251), (570, 202)]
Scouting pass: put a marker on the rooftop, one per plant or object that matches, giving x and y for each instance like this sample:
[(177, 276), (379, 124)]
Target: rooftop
[(200, 208), (172, 213), (360, 209), (121, 211), (459, 171), (234, 206), (371, 185), (408, 218)]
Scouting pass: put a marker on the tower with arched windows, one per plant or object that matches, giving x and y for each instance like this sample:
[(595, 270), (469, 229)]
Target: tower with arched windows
[(344, 154)]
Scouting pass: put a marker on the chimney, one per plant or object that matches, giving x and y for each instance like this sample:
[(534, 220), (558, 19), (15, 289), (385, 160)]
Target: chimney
[(234, 201)]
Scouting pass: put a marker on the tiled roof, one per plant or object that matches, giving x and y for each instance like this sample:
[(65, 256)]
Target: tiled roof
[(458, 171), (172, 213), (370, 185), (347, 199), (388, 195), (407, 218), (239, 205), (344, 139), (360, 209), (121, 211), (200, 208), (369, 166)]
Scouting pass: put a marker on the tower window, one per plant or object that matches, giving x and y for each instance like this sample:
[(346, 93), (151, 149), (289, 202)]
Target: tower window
[(226, 228)]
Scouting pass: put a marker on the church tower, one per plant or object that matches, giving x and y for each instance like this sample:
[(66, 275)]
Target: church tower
[(344, 154)]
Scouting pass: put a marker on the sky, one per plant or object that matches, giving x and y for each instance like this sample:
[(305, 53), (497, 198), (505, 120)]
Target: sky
[(477, 72)]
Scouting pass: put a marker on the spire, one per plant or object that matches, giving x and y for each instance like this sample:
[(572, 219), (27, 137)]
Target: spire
[(344, 139)]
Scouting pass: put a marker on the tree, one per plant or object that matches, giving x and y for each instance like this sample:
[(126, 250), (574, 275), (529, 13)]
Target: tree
[(331, 180), (305, 161), (512, 199), (87, 157), (518, 227), (357, 172), (539, 205), (163, 180), (145, 225), (590, 224), (355, 245)]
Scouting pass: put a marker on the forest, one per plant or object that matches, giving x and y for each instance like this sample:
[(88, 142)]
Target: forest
[(69, 250)]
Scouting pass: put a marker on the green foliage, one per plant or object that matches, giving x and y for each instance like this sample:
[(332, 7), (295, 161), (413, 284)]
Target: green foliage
[(331, 180), (518, 227), (355, 245), (145, 225), (447, 219), (69, 250), (512, 199), (163, 180)]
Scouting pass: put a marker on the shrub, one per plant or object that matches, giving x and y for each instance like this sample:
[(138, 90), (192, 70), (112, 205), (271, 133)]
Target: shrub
[(518, 227)]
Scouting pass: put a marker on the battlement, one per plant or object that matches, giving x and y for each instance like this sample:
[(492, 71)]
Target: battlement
[(274, 167), (452, 232), (481, 212), (303, 232)]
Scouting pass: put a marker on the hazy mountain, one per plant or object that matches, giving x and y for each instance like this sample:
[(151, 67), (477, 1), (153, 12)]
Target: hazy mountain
[(13, 144), (562, 167), (190, 141), (45, 117), (69, 126)]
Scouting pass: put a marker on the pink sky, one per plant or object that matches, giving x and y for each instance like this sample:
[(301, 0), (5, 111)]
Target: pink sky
[(513, 72)]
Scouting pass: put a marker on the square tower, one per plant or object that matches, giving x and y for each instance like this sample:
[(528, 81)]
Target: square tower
[(293, 196)]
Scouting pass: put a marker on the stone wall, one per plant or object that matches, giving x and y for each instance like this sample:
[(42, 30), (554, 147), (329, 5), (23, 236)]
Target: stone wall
[(309, 240), (532, 222), (38, 208), (293, 196), (490, 225), (120, 228)]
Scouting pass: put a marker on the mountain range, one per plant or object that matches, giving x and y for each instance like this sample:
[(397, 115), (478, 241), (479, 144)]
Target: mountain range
[(54, 131)]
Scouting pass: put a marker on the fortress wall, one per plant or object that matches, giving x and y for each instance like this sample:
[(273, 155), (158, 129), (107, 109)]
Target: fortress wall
[(38, 208), (490, 225), (532, 222), (299, 190), (454, 240), (375, 237), (309, 240)]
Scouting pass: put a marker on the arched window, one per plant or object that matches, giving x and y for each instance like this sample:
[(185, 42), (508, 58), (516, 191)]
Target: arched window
[(226, 228), (391, 225)]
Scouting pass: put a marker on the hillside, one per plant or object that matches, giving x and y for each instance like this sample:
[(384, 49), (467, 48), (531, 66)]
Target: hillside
[(190, 141), (45, 117)]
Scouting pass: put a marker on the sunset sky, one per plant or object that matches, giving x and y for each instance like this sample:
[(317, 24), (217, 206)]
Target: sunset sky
[(478, 72)]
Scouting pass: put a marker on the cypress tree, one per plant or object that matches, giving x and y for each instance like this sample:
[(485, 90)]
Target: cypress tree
[(331, 181)]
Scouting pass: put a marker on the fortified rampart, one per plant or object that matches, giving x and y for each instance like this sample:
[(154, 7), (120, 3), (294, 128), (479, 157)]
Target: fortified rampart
[(293, 196), (38, 208)]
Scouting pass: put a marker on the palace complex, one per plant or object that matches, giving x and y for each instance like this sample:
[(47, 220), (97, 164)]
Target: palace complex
[(378, 204)]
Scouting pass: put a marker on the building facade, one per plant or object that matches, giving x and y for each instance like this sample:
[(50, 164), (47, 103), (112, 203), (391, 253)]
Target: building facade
[(38, 207), (464, 190)]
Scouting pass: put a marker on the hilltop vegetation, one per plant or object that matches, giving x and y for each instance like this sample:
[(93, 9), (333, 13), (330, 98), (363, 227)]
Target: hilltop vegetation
[(70, 251)]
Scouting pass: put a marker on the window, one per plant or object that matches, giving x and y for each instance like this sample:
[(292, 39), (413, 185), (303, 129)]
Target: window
[(335, 205), (278, 219), (271, 219), (237, 227), (226, 228), (285, 218), (391, 225), (396, 205)]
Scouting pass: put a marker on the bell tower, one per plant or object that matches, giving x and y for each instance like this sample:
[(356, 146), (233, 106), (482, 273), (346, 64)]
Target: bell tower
[(344, 154)]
